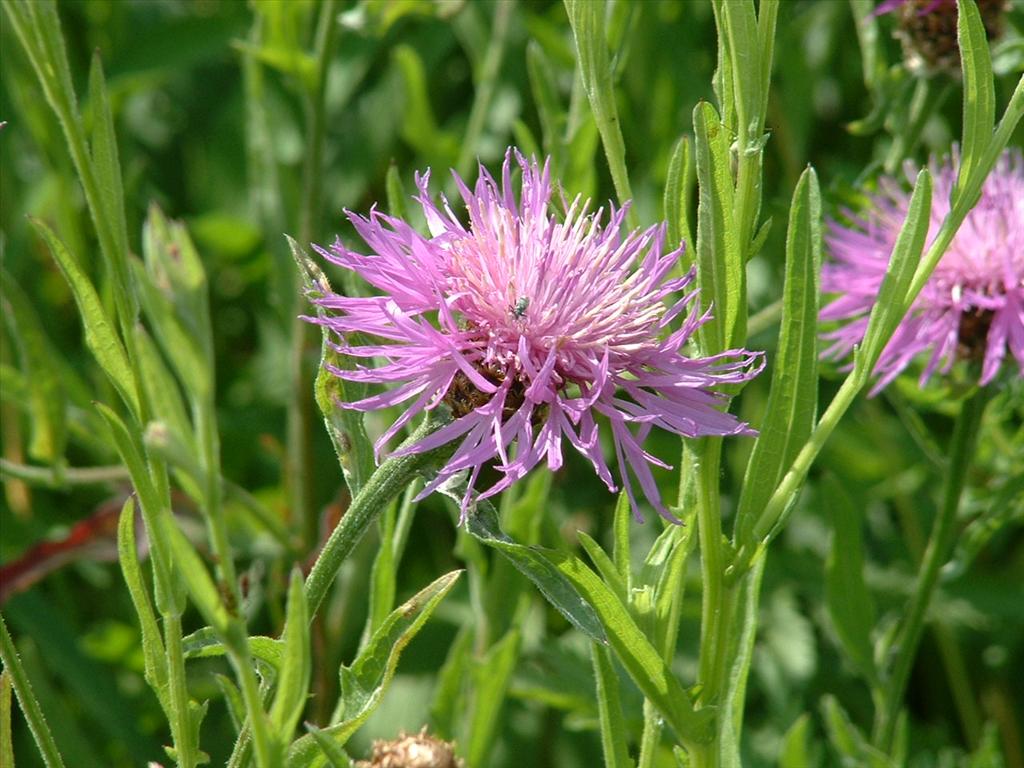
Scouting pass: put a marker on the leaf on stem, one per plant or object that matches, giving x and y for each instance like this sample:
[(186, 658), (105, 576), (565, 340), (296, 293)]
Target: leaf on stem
[(534, 565), (364, 682), (846, 594), (100, 336), (793, 397), (891, 303)]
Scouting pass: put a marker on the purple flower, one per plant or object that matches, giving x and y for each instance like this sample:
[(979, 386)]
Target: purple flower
[(530, 326), (927, 30), (972, 307)]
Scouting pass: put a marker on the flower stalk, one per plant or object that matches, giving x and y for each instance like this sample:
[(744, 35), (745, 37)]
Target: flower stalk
[(937, 553)]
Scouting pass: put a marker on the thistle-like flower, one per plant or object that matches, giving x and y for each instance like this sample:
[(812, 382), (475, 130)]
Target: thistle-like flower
[(927, 31), (972, 306), (531, 328)]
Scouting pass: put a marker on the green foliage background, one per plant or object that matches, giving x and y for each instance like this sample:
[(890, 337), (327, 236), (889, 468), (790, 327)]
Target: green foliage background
[(213, 127)]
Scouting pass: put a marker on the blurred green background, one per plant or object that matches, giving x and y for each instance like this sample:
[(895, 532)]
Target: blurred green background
[(213, 124)]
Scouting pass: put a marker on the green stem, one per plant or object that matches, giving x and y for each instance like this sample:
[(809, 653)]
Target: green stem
[(180, 717), (587, 19), (764, 319), (300, 404), (237, 644), (390, 479), (942, 539), (486, 81), (48, 477), (716, 595), (971, 719), (29, 706), (651, 736)]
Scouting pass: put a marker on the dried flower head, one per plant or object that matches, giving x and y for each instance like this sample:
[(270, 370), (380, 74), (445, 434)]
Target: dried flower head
[(972, 307), (419, 750), (927, 31), (529, 326)]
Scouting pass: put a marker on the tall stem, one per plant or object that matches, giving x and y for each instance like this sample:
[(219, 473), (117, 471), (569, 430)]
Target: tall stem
[(390, 479), (942, 538), (715, 602)]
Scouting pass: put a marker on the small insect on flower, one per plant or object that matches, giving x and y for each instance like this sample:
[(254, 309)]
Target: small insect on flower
[(971, 308), (602, 351), (518, 310)]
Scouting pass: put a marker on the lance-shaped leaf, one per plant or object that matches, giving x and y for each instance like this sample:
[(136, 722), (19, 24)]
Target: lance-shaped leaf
[(364, 682), (293, 682), (634, 650), (153, 654), (100, 336), (793, 398), (906, 254), (846, 594), (720, 267), (344, 425), (534, 565), (47, 400)]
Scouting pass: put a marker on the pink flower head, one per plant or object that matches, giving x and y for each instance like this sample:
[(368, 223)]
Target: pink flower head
[(972, 307), (528, 326)]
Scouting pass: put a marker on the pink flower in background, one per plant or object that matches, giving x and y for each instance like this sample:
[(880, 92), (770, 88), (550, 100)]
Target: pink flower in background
[(530, 326), (972, 307)]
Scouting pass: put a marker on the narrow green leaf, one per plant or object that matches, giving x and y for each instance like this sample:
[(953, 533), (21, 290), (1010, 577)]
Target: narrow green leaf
[(720, 265), (37, 25), (419, 126), (847, 739), (128, 443), (100, 336), (293, 682), (201, 587), (979, 100), (172, 290), (364, 683), (492, 677), (47, 399), (232, 700), (793, 399), (587, 18), (445, 707), (153, 653), (846, 595), (668, 589), (206, 643), (795, 752), (621, 552), (534, 565), (677, 201), (873, 64), (382, 576), (335, 754), (397, 196), (29, 706), (162, 391), (6, 742), (641, 660), (107, 169), (550, 111), (344, 426), (606, 567), (891, 305), (614, 736)]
